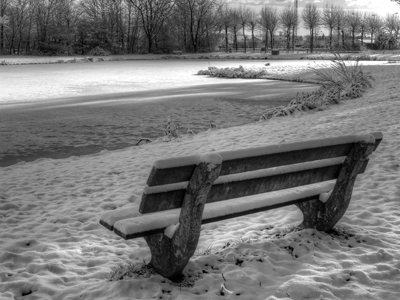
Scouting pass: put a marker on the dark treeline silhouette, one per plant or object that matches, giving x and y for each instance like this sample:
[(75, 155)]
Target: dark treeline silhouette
[(102, 27)]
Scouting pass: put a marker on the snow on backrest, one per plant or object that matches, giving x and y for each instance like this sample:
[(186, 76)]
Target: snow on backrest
[(289, 147), (178, 169)]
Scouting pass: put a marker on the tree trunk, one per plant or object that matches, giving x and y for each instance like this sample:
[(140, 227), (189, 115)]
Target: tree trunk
[(244, 39), (311, 40), (343, 37), (288, 39), (252, 37), (272, 39), (330, 37), (150, 43), (362, 36), (372, 39), (293, 37), (1, 38), (236, 46), (226, 39), (266, 41)]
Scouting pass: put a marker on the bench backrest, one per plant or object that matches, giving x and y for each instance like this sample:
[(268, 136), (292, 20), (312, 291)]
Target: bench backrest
[(252, 171)]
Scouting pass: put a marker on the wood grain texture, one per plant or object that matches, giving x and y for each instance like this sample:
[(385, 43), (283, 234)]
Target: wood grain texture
[(219, 192), (220, 218), (169, 256), (323, 216)]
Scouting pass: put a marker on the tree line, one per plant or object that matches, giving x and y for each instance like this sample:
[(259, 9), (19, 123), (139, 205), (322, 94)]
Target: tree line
[(101, 27)]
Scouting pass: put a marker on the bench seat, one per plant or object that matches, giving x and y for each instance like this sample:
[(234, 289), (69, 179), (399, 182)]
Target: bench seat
[(130, 223)]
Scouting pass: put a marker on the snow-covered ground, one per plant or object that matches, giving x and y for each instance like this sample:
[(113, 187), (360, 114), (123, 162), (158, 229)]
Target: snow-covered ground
[(52, 246)]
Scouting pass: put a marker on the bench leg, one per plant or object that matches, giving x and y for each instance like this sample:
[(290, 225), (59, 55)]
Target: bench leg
[(170, 256), (323, 216)]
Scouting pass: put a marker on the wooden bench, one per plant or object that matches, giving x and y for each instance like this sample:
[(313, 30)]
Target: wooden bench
[(303, 173), (176, 52)]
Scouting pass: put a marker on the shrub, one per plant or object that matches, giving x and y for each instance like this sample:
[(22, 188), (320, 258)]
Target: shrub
[(239, 72), (340, 81)]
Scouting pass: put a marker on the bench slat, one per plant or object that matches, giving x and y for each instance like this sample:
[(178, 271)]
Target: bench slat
[(245, 184), (240, 162), (144, 225)]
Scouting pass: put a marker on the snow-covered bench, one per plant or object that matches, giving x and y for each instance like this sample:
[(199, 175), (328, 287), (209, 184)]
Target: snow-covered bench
[(317, 176), (177, 52)]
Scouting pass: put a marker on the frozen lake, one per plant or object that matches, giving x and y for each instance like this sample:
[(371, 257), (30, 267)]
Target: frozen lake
[(59, 110)]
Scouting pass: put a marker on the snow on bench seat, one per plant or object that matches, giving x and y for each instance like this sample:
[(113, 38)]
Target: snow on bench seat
[(137, 225)]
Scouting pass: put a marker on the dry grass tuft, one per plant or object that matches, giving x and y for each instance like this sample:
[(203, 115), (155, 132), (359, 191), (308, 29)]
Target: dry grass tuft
[(339, 81)]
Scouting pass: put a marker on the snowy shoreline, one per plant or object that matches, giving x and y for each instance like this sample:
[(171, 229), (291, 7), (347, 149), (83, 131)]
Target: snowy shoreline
[(52, 246)]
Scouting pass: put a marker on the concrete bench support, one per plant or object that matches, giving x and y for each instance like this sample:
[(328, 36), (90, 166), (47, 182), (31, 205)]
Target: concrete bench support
[(323, 216), (169, 256)]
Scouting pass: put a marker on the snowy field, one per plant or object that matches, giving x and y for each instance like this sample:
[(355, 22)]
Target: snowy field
[(52, 246)]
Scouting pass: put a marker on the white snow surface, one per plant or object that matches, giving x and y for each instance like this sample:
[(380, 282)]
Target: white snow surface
[(211, 158), (323, 197), (53, 247), (170, 230)]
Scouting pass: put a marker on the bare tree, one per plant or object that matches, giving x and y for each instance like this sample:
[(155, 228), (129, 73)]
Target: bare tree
[(312, 19), (153, 14), (200, 17), (225, 21), (340, 18), (18, 13), (354, 22), (375, 23), (244, 19), (287, 20), (392, 23), (253, 22), (3, 21), (235, 22), (363, 26), (329, 20), (269, 20)]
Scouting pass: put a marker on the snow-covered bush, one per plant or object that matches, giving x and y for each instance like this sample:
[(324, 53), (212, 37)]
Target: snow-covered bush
[(239, 72)]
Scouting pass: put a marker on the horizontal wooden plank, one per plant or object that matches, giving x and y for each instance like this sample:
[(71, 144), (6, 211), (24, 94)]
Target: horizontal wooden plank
[(218, 218), (236, 189), (162, 176), (134, 224), (184, 173)]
